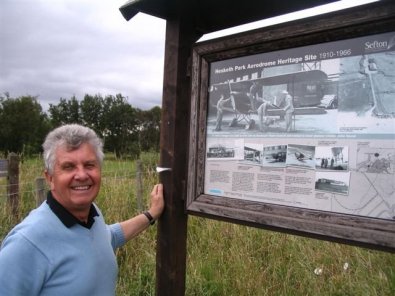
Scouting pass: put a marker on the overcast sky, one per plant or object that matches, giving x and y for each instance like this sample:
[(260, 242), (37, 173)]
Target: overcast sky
[(59, 48)]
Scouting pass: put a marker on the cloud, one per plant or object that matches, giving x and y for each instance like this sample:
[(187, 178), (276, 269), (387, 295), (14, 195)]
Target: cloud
[(60, 48)]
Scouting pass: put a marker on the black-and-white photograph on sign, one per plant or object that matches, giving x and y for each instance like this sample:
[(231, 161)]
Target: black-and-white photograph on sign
[(338, 87), (331, 182), (331, 158)]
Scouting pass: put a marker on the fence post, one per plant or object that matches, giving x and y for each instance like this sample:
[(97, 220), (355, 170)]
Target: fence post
[(40, 190), (13, 182), (139, 185)]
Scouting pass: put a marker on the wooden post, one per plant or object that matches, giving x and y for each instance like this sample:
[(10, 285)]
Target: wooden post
[(139, 185), (172, 227), (40, 190), (13, 182)]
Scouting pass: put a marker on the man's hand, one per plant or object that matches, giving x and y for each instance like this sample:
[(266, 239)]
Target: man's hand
[(157, 201)]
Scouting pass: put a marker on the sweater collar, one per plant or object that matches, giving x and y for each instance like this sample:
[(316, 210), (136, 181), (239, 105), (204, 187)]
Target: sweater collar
[(66, 217)]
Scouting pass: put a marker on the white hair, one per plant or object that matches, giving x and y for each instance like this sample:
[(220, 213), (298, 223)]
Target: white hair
[(70, 136)]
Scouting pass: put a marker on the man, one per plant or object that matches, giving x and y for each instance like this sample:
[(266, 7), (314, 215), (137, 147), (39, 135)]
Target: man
[(254, 95), (220, 111), (264, 120), (289, 111), (64, 246)]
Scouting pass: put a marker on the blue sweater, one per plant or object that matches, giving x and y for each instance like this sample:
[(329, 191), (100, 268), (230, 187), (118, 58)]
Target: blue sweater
[(41, 256)]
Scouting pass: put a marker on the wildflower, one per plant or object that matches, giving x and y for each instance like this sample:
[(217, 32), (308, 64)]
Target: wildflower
[(318, 271)]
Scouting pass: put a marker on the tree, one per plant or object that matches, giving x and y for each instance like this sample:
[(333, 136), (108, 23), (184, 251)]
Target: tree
[(150, 129), (92, 111), (67, 111), (23, 125), (121, 127)]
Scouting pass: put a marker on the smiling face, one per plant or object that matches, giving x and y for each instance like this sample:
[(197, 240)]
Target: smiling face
[(75, 181)]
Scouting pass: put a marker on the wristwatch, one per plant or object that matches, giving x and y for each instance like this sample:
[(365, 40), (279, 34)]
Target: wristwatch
[(149, 217)]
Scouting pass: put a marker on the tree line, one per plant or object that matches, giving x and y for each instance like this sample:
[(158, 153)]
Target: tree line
[(127, 131)]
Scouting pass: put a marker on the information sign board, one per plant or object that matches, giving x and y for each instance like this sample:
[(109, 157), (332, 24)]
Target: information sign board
[(296, 132)]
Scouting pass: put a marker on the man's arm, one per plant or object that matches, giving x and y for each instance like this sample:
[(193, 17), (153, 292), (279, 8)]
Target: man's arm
[(137, 224)]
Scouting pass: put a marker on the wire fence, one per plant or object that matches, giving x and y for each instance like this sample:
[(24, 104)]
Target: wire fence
[(31, 187)]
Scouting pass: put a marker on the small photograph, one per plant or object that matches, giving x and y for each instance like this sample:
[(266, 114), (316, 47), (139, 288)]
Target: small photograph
[(333, 182), (220, 151), (331, 158), (219, 148), (301, 155), (253, 154), (275, 156), (376, 160)]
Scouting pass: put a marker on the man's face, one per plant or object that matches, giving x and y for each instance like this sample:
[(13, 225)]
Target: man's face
[(76, 177)]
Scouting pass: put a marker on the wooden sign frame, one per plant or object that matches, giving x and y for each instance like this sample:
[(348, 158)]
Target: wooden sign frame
[(354, 229)]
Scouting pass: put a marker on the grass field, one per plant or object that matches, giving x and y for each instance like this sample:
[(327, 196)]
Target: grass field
[(222, 258)]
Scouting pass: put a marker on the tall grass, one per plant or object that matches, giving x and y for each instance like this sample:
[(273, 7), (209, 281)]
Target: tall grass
[(224, 258)]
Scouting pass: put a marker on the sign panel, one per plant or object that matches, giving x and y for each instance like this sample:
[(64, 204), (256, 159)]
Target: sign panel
[(293, 128), (310, 127)]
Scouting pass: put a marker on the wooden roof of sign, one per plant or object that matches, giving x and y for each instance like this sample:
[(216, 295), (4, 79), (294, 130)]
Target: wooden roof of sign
[(212, 15)]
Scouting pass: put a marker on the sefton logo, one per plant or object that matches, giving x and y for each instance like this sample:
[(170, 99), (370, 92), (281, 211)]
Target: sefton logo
[(376, 45), (391, 43)]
